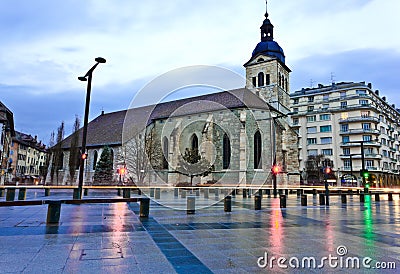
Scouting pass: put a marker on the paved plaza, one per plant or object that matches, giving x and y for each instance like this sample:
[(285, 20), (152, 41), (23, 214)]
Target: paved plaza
[(111, 238)]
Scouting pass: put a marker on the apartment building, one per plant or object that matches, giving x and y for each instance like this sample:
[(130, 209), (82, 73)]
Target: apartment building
[(347, 122), (28, 158)]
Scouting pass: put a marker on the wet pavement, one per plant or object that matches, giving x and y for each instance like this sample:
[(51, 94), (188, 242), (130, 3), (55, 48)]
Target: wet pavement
[(111, 238)]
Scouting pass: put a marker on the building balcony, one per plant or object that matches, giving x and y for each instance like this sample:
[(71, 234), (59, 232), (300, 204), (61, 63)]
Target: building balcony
[(371, 156), (360, 131), (360, 119), (366, 144)]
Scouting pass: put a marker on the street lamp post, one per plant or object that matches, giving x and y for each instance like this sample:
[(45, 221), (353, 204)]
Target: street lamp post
[(88, 78)]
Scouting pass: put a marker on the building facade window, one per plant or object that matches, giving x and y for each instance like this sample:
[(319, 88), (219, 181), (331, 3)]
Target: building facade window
[(295, 101), (363, 102), (312, 152), (346, 151), (325, 97), (257, 150), (226, 152), (261, 79), (295, 121), (165, 152), (95, 157), (312, 130), (326, 140), (325, 106), (343, 104), (369, 163), (310, 108), (343, 94), (367, 138), (327, 152), (345, 139), (347, 163), (366, 126), (344, 127), (325, 128), (194, 143), (311, 141), (311, 118), (325, 117), (310, 99)]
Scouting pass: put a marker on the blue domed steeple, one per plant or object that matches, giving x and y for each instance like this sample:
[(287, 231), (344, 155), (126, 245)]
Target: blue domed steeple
[(267, 45)]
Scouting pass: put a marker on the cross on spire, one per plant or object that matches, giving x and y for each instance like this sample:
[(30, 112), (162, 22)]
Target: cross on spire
[(266, 8)]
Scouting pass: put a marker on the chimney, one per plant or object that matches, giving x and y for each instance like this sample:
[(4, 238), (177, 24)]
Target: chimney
[(377, 92), (369, 85), (320, 86), (102, 112), (384, 98)]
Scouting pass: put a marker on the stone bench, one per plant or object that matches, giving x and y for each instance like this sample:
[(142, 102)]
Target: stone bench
[(54, 206)]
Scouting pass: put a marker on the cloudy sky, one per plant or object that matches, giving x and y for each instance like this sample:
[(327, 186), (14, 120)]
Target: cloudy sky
[(45, 45)]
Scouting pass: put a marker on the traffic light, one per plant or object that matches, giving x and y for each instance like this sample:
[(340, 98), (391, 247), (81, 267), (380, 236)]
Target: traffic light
[(327, 170), (275, 169), (84, 156), (364, 173), (121, 171)]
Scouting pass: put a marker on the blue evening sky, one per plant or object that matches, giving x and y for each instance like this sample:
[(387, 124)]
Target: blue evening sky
[(45, 45)]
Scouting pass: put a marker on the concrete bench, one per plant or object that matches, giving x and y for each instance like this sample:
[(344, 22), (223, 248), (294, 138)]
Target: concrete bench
[(54, 206)]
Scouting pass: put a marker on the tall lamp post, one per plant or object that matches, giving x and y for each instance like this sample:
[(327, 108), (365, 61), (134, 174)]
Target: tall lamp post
[(88, 78)]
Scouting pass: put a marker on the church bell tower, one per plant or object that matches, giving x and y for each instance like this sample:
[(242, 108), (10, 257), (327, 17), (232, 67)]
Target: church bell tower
[(266, 72)]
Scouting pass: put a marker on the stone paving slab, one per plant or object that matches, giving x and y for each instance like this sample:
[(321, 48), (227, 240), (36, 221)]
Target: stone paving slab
[(111, 238)]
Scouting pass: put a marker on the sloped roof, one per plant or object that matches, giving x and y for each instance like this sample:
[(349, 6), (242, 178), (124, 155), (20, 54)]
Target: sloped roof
[(7, 117), (29, 140), (107, 129)]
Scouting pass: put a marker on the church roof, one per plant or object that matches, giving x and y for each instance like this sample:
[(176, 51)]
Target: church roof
[(107, 129)]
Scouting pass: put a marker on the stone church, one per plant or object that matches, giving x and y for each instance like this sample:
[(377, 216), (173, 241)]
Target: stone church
[(240, 132)]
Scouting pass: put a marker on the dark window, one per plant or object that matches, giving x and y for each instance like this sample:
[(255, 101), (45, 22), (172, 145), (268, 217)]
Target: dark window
[(165, 153), (112, 157), (267, 79), (226, 157), (254, 81), (95, 156), (261, 79), (257, 150), (195, 142)]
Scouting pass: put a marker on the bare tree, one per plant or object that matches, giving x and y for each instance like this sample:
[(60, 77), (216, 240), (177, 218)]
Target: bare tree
[(141, 154), (74, 150), (57, 153), (314, 168), (193, 165)]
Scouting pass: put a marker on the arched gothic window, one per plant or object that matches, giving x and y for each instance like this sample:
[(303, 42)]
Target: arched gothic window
[(261, 81), (226, 152), (257, 150), (165, 153), (95, 156), (195, 142)]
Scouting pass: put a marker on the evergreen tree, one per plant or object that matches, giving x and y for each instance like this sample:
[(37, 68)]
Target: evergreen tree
[(104, 169)]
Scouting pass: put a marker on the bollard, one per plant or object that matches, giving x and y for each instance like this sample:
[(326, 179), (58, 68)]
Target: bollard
[(22, 193), (390, 197), (85, 192), (350, 191), (257, 202), (206, 193), (2, 191), (344, 198), (314, 192), (197, 192), (268, 191), (233, 193), (139, 192), (299, 192), (191, 205), (75, 194), (183, 193), (157, 193), (282, 201), (126, 193), (47, 192), (362, 198), (304, 200), (216, 191), (244, 193), (249, 192), (10, 194), (119, 192), (151, 192), (228, 204), (377, 197), (286, 192), (53, 212), (321, 199), (176, 192), (144, 207), (280, 191)]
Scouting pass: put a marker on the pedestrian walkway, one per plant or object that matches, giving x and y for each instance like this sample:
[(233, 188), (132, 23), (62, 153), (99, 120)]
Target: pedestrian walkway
[(111, 238)]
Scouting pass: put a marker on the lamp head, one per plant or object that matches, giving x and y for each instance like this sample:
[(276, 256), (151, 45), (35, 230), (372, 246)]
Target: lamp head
[(82, 78), (100, 60)]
